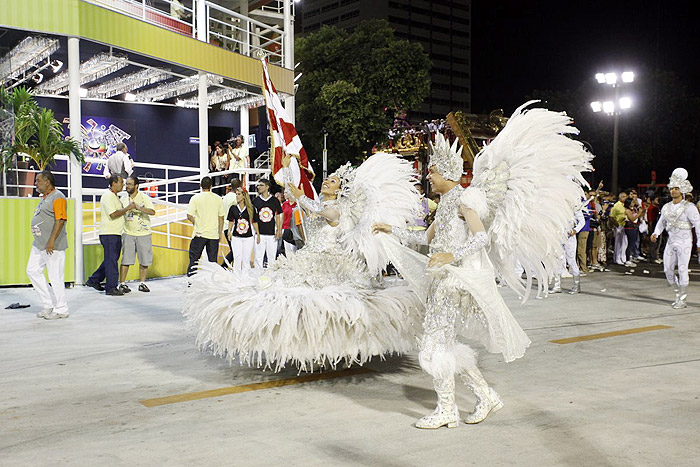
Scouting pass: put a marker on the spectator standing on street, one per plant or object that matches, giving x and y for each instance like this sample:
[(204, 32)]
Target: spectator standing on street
[(137, 234), (49, 248), (633, 214), (618, 217), (111, 229), (119, 163), (206, 211), (242, 222), (228, 201), (269, 223)]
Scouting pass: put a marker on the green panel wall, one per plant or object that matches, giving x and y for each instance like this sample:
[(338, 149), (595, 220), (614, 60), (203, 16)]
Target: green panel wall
[(16, 242)]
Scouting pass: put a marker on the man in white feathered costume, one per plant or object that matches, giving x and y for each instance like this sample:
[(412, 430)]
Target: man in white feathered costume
[(678, 218), (482, 231)]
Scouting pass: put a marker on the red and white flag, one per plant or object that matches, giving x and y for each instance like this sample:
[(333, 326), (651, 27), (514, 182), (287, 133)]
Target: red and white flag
[(285, 138)]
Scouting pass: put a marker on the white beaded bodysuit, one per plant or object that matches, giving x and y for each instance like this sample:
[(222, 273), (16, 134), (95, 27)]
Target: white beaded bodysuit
[(678, 219)]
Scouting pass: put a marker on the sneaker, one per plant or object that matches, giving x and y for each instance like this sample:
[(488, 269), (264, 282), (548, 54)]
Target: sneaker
[(630, 264), (56, 315), (115, 291), (658, 261), (143, 288), (95, 286), (44, 313), (124, 288), (640, 258), (566, 274)]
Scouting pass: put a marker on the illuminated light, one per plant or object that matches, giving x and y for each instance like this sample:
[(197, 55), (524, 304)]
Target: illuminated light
[(175, 88), (609, 107), (129, 97), (246, 102), (180, 103), (600, 77), (596, 106), (91, 70), (129, 83), (83, 92), (625, 102), (627, 77), (611, 78), (215, 97), (56, 66), (25, 55), (38, 78)]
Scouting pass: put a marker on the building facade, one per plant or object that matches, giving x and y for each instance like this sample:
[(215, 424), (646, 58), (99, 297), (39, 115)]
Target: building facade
[(443, 27)]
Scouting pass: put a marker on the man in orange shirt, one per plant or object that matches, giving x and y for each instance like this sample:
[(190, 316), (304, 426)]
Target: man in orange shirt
[(49, 248)]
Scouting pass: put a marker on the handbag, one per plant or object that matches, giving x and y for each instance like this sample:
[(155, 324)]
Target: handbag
[(643, 227)]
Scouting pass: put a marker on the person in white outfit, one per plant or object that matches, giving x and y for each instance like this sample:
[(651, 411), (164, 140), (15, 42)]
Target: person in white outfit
[(269, 223), (678, 218), (569, 259), (49, 248), (242, 222)]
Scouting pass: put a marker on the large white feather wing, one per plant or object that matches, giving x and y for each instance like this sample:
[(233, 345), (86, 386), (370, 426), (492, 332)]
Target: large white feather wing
[(531, 177), (382, 191)]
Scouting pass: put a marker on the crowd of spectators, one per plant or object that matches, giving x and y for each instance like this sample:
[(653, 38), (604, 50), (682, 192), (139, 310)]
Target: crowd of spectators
[(618, 228)]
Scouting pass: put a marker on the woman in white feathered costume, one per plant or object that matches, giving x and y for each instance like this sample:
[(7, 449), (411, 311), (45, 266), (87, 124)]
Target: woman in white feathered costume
[(525, 185), (327, 303)]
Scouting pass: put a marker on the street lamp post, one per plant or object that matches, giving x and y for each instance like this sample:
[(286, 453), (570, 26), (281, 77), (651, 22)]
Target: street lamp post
[(614, 108)]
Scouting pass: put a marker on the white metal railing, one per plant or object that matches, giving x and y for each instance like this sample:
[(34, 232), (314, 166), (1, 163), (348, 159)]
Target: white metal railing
[(171, 194), (223, 27)]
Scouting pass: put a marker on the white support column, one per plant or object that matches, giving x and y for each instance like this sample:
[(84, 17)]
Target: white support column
[(245, 37), (244, 119), (289, 104), (202, 21), (203, 125), (76, 170)]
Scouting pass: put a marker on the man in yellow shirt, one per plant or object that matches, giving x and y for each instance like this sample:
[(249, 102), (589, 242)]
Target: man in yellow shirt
[(111, 229), (137, 234), (206, 212), (617, 212)]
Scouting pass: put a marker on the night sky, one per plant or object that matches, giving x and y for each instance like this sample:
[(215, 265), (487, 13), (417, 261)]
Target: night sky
[(520, 46)]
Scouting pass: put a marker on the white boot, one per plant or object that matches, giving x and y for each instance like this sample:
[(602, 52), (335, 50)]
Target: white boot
[(446, 413), (487, 399), (577, 285), (681, 297), (556, 288), (676, 288)]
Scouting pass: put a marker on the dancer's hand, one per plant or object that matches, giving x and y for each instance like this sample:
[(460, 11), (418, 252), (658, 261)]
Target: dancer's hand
[(440, 259), (296, 192), (378, 227), (653, 237), (286, 158)]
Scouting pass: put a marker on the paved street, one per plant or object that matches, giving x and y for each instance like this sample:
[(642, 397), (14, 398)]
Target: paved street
[(89, 390)]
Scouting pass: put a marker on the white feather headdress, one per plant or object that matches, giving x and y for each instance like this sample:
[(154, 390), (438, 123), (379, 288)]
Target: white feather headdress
[(446, 159)]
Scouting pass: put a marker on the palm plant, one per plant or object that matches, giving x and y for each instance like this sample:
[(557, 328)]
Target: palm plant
[(38, 135)]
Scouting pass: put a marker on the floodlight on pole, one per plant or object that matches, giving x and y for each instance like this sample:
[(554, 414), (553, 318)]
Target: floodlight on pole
[(613, 107)]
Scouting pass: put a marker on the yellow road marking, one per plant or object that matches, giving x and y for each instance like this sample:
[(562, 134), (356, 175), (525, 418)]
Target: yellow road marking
[(605, 335), (192, 396)]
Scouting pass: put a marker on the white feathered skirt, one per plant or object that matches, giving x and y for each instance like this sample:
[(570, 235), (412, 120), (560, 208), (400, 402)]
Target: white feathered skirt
[(310, 319)]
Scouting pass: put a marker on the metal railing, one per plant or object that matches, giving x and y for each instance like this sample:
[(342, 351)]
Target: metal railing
[(171, 194), (224, 28)]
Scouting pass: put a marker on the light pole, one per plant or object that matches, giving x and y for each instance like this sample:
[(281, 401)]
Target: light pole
[(614, 108), (325, 153)]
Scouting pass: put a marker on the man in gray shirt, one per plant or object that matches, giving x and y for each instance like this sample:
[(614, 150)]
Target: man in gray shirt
[(49, 248)]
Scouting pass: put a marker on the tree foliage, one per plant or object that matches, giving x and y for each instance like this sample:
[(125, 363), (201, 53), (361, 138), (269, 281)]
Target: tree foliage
[(351, 85), (660, 132)]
